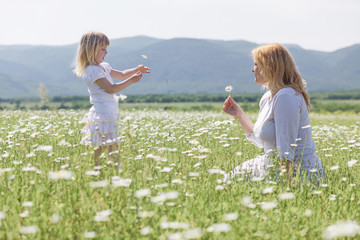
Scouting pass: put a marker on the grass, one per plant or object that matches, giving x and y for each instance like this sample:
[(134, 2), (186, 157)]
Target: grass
[(183, 197)]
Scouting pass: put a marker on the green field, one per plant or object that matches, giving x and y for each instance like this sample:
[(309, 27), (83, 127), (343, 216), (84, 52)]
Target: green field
[(169, 185)]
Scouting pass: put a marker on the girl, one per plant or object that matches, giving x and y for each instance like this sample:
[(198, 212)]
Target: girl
[(283, 127), (103, 117)]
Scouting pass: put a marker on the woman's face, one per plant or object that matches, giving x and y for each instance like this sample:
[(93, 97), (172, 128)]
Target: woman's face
[(259, 79), (100, 55)]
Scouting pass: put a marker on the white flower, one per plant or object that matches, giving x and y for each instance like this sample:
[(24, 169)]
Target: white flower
[(28, 229), (334, 168), (62, 174), (92, 173), (308, 212), (146, 230), (351, 163), (55, 218), (144, 56), (230, 216), (219, 227), (102, 216), (174, 225), (193, 233), (142, 193), (268, 190), (228, 89), (89, 234), (2, 215), (342, 229), (287, 195), (28, 204), (47, 148), (268, 205), (121, 182), (95, 184), (121, 97), (146, 214)]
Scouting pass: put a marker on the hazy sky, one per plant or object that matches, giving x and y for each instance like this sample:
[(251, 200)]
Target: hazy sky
[(313, 24)]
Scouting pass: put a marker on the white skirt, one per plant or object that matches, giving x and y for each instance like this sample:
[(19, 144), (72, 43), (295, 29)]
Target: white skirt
[(100, 128)]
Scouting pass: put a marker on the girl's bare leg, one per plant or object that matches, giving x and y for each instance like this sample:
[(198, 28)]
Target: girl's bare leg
[(97, 154), (114, 153)]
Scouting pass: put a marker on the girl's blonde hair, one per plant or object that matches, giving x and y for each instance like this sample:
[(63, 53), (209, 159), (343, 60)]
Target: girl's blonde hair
[(89, 45), (278, 68)]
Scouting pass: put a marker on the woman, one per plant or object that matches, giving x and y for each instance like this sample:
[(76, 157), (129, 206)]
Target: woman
[(282, 128)]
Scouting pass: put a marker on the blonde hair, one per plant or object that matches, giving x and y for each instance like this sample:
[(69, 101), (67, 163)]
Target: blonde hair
[(278, 68), (89, 45)]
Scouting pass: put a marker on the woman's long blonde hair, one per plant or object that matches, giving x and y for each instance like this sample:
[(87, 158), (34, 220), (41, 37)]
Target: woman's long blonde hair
[(278, 68), (89, 45)]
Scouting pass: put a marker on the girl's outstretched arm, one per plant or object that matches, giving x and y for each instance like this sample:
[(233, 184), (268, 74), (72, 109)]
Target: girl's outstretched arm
[(125, 74), (117, 87), (232, 108)]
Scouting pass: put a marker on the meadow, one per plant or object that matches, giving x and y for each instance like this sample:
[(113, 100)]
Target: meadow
[(169, 184)]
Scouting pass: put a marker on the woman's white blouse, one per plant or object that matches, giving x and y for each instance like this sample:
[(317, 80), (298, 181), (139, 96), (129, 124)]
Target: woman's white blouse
[(283, 125)]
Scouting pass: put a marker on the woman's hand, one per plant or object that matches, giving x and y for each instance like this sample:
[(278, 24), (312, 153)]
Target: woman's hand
[(231, 107), (142, 69)]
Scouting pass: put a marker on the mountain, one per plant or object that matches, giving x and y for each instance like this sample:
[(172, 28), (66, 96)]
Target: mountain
[(179, 65)]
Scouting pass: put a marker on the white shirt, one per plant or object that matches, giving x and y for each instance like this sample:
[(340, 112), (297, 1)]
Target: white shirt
[(283, 124), (102, 100)]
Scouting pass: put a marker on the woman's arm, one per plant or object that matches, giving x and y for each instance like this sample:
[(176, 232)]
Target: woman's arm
[(117, 87), (232, 108), (129, 72)]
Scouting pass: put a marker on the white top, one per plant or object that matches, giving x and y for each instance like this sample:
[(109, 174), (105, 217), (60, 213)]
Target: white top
[(283, 125), (103, 101)]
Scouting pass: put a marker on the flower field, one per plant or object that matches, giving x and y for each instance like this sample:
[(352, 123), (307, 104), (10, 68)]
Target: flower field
[(169, 184)]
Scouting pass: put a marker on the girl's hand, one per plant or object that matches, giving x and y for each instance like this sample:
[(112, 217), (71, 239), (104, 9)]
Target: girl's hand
[(136, 77), (143, 69), (231, 107)]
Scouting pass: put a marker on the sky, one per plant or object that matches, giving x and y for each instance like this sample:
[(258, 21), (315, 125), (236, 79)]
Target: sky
[(325, 25)]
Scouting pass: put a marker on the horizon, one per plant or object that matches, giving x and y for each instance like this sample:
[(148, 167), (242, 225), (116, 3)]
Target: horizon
[(165, 39)]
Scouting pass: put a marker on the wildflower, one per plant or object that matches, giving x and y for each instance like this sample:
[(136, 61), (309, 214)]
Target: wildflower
[(268, 190), (287, 195), (146, 230), (230, 216), (55, 218), (146, 214), (193, 233), (219, 227), (351, 163), (28, 204), (308, 212), (89, 234), (334, 168), (228, 89), (342, 229), (47, 148), (92, 173), (121, 182), (24, 214), (62, 174), (268, 205), (28, 229), (174, 225), (2, 215), (142, 193), (102, 216), (95, 184), (144, 56)]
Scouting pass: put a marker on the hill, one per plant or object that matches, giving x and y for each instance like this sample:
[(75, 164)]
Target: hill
[(179, 65)]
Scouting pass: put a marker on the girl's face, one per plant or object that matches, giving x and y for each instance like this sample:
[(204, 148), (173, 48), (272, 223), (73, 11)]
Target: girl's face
[(259, 79), (100, 55)]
